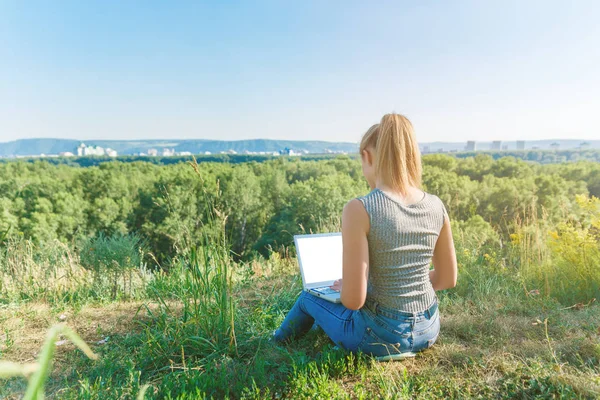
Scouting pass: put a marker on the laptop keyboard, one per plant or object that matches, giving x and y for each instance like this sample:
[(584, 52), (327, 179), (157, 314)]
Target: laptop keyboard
[(326, 290)]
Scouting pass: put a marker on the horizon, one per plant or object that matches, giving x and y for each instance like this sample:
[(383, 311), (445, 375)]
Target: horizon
[(294, 140), (320, 72)]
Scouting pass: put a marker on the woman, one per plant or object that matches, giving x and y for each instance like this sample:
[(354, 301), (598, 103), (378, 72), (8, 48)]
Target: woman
[(390, 238)]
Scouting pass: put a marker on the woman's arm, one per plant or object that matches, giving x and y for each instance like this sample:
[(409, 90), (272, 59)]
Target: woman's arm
[(445, 271), (355, 227)]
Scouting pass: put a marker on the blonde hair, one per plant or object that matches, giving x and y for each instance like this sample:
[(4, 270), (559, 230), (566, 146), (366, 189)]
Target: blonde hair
[(397, 158)]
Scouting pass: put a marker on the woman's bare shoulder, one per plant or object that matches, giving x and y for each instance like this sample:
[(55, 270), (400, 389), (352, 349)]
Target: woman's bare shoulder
[(356, 215)]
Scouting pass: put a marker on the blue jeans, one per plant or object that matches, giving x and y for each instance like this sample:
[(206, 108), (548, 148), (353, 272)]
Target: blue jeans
[(373, 329)]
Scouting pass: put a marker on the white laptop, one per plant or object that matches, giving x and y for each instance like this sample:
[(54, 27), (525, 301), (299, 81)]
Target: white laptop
[(320, 259)]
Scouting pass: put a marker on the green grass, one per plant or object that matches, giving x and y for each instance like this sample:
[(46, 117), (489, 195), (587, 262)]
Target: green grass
[(493, 344)]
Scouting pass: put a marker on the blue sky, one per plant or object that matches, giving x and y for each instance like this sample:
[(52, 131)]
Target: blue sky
[(298, 70)]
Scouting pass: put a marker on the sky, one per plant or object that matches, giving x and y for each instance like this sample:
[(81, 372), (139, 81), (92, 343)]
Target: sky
[(322, 70)]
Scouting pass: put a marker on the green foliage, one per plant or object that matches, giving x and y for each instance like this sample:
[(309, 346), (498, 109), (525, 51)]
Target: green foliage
[(205, 327), (107, 254), (476, 242), (223, 275), (116, 257), (52, 272), (574, 273), (266, 203)]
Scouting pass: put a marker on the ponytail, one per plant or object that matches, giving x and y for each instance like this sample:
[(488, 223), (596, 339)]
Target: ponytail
[(398, 160)]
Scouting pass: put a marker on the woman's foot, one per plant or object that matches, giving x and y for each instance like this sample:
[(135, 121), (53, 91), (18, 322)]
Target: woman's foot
[(276, 337)]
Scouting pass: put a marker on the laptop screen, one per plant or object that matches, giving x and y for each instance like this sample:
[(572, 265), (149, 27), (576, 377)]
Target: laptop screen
[(320, 258)]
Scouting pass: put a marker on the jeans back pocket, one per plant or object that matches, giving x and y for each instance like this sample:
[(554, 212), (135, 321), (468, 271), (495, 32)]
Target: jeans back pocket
[(400, 328), (377, 346), (426, 336)]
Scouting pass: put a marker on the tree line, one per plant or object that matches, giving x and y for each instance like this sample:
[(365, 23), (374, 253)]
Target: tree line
[(266, 203), (534, 156)]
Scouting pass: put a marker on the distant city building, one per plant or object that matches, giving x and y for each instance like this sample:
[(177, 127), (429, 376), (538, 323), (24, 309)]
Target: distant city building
[(425, 149), (290, 152), (185, 153), (66, 154), (471, 146), (520, 145), (505, 147), (497, 145), (207, 153), (168, 152), (440, 150), (83, 150), (152, 152)]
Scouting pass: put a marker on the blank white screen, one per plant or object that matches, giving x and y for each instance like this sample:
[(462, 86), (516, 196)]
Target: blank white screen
[(321, 257)]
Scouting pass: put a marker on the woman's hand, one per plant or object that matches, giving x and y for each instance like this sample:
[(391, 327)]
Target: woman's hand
[(337, 285)]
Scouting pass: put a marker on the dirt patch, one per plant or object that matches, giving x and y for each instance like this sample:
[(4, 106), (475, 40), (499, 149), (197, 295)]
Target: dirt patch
[(24, 328)]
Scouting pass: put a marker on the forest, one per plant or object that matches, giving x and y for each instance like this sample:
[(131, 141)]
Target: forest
[(266, 203)]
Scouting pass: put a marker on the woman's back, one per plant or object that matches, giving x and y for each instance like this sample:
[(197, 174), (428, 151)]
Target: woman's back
[(402, 239), (388, 246)]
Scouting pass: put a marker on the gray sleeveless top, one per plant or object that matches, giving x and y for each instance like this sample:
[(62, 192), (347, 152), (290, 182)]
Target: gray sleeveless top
[(401, 242)]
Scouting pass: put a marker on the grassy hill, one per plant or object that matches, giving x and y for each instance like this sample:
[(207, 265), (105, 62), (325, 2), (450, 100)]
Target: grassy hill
[(177, 275), (175, 334)]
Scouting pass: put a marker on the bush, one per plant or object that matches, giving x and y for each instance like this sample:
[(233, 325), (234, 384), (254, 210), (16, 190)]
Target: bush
[(562, 262), (575, 247), (115, 256)]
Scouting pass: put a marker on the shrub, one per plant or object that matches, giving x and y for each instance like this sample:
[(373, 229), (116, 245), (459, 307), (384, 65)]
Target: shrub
[(575, 247), (114, 257), (565, 262)]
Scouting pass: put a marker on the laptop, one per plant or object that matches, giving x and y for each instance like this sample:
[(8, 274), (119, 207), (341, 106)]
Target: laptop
[(320, 259)]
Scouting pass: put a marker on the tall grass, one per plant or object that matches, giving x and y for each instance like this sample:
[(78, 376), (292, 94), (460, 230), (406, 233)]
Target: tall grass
[(196, 309), (53, 272), (561, 261), (32, 271), (196, 314)]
